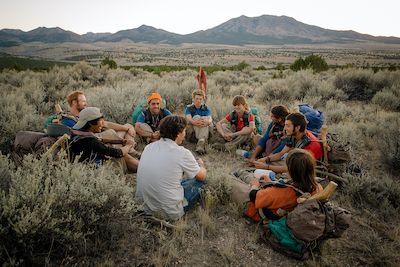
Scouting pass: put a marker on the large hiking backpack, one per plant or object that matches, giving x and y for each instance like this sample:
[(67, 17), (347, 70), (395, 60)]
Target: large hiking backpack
[(304, 227), (257, 119), (338, 153), (314, 117)]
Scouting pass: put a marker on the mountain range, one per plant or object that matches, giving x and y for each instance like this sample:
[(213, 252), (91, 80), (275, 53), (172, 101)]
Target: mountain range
[(265, 29)]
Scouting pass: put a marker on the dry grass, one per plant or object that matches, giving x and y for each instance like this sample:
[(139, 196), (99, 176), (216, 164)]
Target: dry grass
[(216, 234)]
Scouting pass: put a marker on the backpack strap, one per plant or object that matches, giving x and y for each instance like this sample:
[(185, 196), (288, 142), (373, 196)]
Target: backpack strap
[(281, 212), (191, 108), (280, 184), (235, 118)]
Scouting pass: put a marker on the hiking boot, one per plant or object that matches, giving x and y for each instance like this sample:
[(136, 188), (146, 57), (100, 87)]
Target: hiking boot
[(200, 147)]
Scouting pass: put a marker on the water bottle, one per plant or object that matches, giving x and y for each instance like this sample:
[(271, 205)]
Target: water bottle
[(243, 153)]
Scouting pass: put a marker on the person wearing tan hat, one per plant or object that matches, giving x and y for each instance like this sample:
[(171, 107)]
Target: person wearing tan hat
[(89, 147), (147, 123)]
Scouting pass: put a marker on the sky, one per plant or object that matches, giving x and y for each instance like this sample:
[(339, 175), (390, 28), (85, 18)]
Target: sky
[(379, 18)]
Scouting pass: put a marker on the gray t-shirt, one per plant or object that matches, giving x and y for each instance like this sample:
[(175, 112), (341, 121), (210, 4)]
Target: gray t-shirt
[(162, 167)]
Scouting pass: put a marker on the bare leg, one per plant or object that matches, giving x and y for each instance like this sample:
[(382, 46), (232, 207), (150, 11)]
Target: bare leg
[(131, 163)]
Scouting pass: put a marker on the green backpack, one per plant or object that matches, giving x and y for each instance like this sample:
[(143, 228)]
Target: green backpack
[(281, 238), (257, 119)]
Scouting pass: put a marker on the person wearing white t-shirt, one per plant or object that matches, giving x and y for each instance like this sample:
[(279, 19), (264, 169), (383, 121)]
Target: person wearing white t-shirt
[(169, 178)]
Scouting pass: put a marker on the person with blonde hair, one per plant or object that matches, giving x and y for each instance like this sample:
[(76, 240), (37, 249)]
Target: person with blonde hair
[(199, 120), (237, 127)]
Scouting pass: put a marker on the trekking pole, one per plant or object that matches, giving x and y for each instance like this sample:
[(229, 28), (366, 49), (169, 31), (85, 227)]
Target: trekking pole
[(325, 147)]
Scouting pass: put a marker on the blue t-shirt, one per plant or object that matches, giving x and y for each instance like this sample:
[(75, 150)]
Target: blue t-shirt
[(203, 111), (263, 141), (68, 122), (141, 118)]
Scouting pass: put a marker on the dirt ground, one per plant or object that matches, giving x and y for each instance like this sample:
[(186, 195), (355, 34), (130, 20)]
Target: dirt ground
[(217, 235)]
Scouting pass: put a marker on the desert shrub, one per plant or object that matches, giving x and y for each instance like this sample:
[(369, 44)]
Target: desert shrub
[(336, 112), (243, 90), (93, 76), (225, 79), (17, 115), (388, 142), (107, 61), (375, 193), (116, 103), (362, 84), (220, 106), (355, 83), (314, 62), (115, 76), (326, 91), (388, 98), (55, 84), (275, 89), (301, 82), (59, 209)]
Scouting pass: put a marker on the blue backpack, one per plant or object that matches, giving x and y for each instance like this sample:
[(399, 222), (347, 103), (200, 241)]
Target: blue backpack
[(314, 117)]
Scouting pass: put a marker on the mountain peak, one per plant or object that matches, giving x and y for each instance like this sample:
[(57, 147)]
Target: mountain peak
[(264, 29)]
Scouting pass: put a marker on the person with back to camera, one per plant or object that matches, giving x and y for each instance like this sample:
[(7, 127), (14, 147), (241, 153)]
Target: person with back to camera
[(273, 200), (169, 179)]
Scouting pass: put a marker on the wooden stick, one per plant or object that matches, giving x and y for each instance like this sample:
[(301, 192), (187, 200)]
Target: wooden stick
[(58, 108), (323, 134), (322, 196), (331, 176), (58, 143)]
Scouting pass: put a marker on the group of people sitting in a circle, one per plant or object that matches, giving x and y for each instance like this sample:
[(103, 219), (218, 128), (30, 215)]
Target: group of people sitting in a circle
[(169, 177)]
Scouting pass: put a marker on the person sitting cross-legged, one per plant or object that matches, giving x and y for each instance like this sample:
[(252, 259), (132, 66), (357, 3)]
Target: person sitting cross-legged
[(147, 123), (297, 137), (273, 139), (268, 200), (199, 120), (89, 147), (169, 179), (237, 128)]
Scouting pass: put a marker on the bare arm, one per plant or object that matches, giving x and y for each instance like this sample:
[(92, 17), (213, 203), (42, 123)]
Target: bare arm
[(276, 156), (266, 166), (119, 127), (202, 174), (219, 127)]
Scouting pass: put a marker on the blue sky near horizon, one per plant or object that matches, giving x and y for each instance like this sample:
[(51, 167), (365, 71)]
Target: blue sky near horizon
[(379, 18)]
